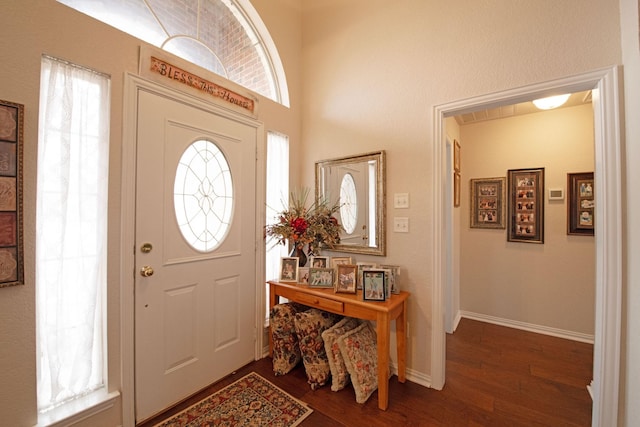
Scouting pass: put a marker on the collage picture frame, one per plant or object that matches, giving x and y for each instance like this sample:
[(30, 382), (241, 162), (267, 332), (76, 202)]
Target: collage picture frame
[(526, 205), (487, 202)]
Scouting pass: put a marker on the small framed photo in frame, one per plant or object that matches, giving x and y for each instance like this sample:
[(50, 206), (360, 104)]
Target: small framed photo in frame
[(394, 277), (337, 260), (320, 277), (319, 262), (487, 202), (289, 269), (581, 205), (361, 267), (373, 285), (526, 205), (303, 275), (346, 278)]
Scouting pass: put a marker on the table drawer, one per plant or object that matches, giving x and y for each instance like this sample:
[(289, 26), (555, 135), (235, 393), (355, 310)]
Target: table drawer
[(320, 302)]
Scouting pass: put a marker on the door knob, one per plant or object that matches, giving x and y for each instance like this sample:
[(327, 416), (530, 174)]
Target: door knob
[(146, 271)]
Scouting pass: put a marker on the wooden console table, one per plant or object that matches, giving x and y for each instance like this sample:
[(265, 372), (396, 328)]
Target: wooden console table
[(352, 305)]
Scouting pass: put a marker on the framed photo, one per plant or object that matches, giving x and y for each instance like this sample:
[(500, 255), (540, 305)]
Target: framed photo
[(11, 238), (337, 260), (456, 156), (394, 278), (456, 189), (346, 278), (361, 267), (303, 275), (289, 269), (319, 262), (526, 205), (581, 204), (487, 202), (374, 285), (321, 277)]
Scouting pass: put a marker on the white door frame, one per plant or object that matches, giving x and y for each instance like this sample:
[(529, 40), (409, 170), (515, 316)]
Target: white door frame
[(608, 186), (133, 84)]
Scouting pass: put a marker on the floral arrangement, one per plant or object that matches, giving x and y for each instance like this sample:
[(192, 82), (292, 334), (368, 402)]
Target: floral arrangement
[(302, 224)]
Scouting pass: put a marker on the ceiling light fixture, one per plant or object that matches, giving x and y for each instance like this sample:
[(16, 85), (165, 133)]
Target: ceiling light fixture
[(551, 102)]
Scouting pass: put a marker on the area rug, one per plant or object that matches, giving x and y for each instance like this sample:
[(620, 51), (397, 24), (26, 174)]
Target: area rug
[(250, 401)]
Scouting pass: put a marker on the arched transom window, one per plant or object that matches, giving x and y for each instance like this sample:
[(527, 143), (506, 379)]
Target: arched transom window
[(226, 37)]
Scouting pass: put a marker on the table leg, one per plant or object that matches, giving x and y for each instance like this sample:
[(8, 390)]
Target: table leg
[(401, 342), (382, 331)]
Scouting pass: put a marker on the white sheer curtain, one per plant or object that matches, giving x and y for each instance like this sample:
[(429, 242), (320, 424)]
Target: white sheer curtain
[(71, 231), (277, 197)]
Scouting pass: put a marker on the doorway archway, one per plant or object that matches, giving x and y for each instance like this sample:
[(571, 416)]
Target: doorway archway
[(604, 84)]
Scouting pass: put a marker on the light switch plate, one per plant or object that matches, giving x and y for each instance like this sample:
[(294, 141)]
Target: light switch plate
[(401, 200), (401, 224)]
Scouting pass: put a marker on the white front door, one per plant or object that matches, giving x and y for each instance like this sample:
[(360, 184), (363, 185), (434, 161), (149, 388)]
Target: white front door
[(194, 249)]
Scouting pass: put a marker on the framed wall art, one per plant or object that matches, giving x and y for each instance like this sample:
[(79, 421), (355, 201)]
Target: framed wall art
[(456, 189), (581, 204), (456, 156), (487, 202), (11, 239), (526, 205)]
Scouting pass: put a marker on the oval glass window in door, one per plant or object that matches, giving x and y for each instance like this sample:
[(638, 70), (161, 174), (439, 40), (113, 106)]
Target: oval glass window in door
[(348, 203), (203, 196)]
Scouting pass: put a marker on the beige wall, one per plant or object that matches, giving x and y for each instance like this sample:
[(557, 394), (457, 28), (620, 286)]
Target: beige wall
[(523, 282), (374, 70), (363, 75)]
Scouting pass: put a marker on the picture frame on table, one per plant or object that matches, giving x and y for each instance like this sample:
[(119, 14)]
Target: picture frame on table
[(346, 278), (321, 277), (338, 260), (581, 204), (361, 267), (394, 278), (303, 275), (487, 204), (374, 285), (319, 262), (289, 269), (526, 205)]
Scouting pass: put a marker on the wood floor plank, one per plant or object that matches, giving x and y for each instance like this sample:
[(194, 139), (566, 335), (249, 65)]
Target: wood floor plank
[(496, 376)]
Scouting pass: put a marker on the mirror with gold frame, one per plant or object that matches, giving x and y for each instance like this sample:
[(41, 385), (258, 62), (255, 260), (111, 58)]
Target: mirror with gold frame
[(357, 184)]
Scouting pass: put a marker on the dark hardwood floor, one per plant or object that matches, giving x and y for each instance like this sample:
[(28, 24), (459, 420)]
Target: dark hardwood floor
[(496, 376)]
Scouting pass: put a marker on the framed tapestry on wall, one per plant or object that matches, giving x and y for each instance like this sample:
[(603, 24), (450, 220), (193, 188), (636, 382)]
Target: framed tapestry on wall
[(581, 204), (487, 202), (11, 251), (526, 205)]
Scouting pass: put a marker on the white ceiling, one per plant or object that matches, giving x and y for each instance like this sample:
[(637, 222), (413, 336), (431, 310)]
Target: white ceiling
[(577, 98)]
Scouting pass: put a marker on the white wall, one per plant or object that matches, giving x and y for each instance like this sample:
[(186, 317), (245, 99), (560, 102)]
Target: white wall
[(526, 282)]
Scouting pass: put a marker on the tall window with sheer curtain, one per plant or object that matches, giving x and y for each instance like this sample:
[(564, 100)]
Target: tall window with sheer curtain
[(71, 232), (277, 197)]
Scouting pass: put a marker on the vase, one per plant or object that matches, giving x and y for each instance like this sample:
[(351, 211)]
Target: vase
[(297, 250)]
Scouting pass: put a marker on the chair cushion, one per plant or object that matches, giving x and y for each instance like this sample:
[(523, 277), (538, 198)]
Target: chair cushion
[(359, 350), (310, 325), (339, 373), (286, 352)]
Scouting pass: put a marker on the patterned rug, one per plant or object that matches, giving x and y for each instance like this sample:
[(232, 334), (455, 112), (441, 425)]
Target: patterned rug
[(250, 401)]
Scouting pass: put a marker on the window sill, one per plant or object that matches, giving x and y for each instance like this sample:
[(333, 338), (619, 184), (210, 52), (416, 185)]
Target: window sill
[(79, 409)]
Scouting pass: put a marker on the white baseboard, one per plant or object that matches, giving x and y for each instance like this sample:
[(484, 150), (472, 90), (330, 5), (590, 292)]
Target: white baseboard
[(539, 329)]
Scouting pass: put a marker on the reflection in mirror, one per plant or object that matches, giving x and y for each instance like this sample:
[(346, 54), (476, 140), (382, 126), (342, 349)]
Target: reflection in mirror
[(356, 183)]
